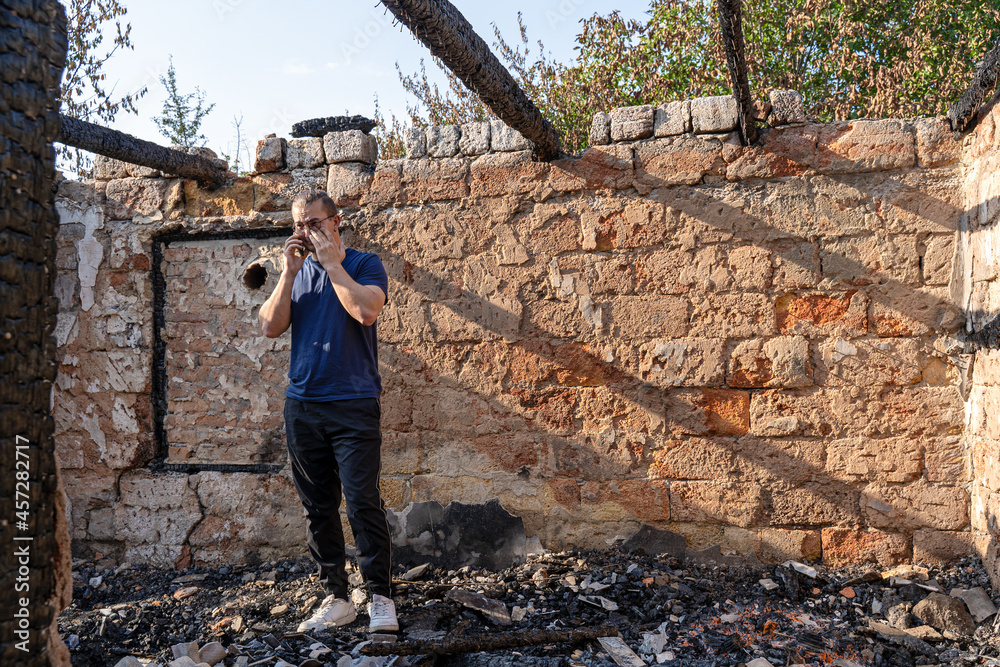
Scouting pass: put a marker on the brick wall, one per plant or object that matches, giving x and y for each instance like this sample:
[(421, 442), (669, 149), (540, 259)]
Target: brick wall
[(979, 288), (757, 348)]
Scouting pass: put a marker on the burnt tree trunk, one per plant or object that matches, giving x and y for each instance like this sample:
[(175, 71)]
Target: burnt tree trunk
[(962, 114), (35, 577), (441, 28), (497, 641), (731, 24), (120, 146)]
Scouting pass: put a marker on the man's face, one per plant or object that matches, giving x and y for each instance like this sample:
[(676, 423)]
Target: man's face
[(313, 217)]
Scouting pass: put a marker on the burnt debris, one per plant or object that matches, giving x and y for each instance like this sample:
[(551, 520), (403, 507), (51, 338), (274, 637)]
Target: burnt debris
[(568, 609), (319, 127)]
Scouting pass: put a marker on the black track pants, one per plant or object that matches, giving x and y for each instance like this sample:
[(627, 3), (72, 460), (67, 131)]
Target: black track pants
[(334, 444)]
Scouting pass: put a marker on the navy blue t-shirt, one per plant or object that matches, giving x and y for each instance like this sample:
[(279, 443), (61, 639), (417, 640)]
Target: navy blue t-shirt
[(334, 357)]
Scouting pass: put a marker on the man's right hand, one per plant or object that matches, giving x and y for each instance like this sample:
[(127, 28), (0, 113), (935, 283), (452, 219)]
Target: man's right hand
[(295, 254)]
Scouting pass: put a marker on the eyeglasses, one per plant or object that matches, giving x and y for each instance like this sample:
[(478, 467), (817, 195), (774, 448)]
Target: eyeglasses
[(311, 224)]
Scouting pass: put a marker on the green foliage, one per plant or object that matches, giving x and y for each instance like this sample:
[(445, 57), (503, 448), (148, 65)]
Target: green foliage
[(83, 93), (180, 120), (849, 59)]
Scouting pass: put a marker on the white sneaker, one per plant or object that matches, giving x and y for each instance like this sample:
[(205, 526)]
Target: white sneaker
[(333, 612), (382, 611)]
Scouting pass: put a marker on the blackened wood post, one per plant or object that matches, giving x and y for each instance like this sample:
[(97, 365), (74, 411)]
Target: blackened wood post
[(35, 573), (496, 641), (448, 35), (731, 25), (962, 114), (120, 146)]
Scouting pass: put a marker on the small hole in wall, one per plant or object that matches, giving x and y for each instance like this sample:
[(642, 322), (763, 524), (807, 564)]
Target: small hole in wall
[(255, 276)]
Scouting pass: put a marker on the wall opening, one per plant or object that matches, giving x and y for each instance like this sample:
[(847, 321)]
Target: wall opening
[(218, 383)]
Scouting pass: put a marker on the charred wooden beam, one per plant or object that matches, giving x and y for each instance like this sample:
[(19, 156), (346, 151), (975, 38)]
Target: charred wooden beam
[(120, 146), (962, 114), (731, 24), (492, 642), (319, 127), (450, 37)]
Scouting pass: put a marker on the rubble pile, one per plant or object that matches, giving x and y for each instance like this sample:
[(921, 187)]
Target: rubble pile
[(578, 609)]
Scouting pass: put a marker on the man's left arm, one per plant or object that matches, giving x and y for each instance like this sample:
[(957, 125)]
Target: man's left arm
[(362, 302)]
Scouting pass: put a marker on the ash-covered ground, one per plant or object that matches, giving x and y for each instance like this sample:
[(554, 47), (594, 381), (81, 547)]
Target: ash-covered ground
[(667, 611)]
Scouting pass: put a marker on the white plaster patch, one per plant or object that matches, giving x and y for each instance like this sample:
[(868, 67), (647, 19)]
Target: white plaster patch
[(594, 315), (67, 329), (64, 382), (124, 417), (127, 371), (89, 251), (258, 399), (254, 348), (841, 349), (91, 424), (555, 278), (672, 352)]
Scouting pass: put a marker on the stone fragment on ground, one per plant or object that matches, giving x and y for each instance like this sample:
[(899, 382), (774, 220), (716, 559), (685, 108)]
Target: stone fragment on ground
[(620, 652), (945, 613), (128, 661), (189, 649), (494, 610), (977, 600)]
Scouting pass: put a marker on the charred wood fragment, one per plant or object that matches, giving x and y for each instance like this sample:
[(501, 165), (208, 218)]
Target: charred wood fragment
[(319, 127), (962, 114), (491, 642), (120, 146), (448, 35), (731, 24)]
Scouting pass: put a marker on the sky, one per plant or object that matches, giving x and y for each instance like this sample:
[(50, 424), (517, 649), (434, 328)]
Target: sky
[(276, 63)]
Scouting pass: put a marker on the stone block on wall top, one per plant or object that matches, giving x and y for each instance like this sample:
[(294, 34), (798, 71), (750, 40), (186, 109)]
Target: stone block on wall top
[(600, 129), (347, 181), (714, 114), (475, 138), (936, 145), (865, 145), (786, 108), (270, 154), (631, 123), (415, 139), (305, 153), (504, 138), (350, 146), (106, 168), (442, 140), (672, 118)]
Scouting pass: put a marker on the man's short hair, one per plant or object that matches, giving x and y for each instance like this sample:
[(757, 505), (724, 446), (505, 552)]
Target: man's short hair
[(307, 197)]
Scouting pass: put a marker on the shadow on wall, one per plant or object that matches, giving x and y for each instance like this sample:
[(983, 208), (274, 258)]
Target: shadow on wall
[(777, 472)]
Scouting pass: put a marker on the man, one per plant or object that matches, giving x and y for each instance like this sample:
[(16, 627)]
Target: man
[(331, 299)]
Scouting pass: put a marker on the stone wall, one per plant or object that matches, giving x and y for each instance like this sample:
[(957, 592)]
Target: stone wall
[(978, 288), (756, 347)]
